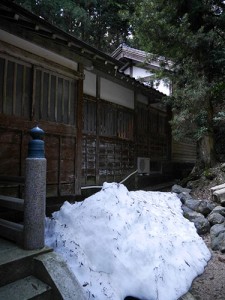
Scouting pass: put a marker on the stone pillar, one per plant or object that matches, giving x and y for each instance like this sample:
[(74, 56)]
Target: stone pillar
[(35, 192)]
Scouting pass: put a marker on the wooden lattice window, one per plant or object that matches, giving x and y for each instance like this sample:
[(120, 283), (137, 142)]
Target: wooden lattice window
[(108, 120), (142, 120), (125, 124), (116, 121), (31, 92), (55, 97), (15, 87)]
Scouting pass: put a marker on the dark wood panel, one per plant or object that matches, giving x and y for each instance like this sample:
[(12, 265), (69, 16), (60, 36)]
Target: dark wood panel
[(52, 171), (60, 151), (52, 190), (67, 189), (67, 173), (10, 142)]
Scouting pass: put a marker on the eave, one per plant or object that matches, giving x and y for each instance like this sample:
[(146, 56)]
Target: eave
[(33, 29)]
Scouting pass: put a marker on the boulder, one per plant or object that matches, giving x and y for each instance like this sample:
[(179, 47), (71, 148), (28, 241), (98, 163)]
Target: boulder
[(217, 235), (192, 204), (201, 206), (179, 189), (186, 210), (222, 168), (219, 209), (184, 196), (201, 223), (215, 218)]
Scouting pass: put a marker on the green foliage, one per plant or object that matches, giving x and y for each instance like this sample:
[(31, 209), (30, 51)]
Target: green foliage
[(101, 23), (191, 34)]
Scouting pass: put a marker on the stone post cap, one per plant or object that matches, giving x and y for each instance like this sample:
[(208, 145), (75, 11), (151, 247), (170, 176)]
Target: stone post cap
[(36, 146)]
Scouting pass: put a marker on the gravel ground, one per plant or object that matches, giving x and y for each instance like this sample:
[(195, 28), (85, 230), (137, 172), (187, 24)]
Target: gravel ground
[(211, 284)]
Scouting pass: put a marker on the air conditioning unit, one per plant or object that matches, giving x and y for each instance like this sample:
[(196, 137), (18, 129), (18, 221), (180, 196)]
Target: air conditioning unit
[(143, 165)]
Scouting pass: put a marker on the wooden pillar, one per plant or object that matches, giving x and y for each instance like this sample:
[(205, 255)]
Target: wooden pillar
[(79, 123), (98, 89), (135, 134)]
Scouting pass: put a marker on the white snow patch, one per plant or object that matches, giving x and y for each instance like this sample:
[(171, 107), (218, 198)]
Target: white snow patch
[(121, 243)]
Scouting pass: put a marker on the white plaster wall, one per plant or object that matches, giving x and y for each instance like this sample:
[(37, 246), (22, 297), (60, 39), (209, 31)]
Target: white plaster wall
[(90, 83), (127, 71), (159, 86), (116, 93), (140, 73)]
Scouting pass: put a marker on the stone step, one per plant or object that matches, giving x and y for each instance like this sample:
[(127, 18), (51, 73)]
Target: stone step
[(52, 269), (16, 263), (27, 288)]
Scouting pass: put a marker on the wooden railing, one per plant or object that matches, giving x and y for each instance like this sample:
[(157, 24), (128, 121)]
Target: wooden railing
[(29, 234)]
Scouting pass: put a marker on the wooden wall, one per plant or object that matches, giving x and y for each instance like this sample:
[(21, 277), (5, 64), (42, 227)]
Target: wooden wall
[(108, 141), (184, 151), (40, 94), (153, 133), (88, 139)]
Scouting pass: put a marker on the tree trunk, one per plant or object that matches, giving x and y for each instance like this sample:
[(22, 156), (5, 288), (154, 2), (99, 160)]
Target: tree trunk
[(206, 157), (206, 152)]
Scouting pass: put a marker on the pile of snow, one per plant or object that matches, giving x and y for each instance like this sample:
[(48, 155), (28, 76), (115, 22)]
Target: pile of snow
[(121, 243)]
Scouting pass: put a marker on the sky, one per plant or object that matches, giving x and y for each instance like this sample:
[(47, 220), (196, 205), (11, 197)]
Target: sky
[(122, 243)]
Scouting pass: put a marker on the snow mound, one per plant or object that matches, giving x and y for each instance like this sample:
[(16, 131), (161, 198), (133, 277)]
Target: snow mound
[(121, 243)]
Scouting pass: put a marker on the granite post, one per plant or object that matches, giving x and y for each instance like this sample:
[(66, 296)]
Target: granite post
[(35, 192)]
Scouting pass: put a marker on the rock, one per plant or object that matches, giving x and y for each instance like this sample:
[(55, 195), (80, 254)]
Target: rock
[(201, 223), (216, 230), (221, 258), (211, 205), (200, 206), (193, 184), (184, 196), (205, 207), (187, 296), (217, 234), (192, 204), (186, 210), (219, 209), (215, 218), (179, 189), (222, 168)]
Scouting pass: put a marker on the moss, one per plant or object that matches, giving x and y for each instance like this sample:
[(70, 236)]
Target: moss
[(209, 174)]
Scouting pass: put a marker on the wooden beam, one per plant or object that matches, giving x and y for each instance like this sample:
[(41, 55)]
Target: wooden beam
[(11, 202), (11, 231)]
